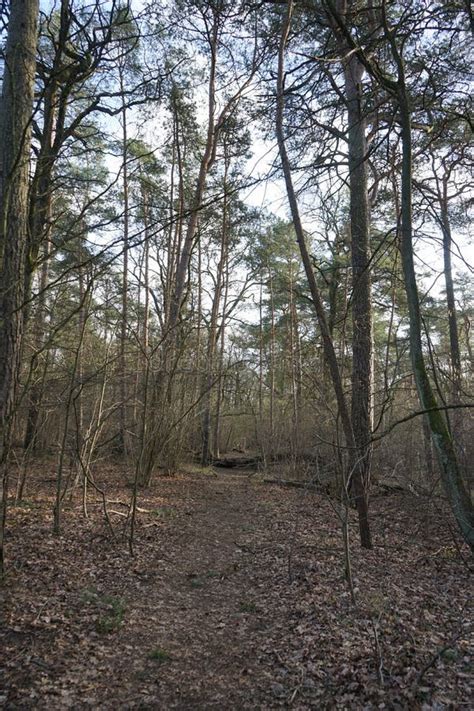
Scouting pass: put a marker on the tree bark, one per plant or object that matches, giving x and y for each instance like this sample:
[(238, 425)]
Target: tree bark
[(362, 361), (456, 492), (455, 351), (220, 362), (213, 331), (272, 361), (15, 132), (355, 471), (455, 489), (37, 366), (123, 434)]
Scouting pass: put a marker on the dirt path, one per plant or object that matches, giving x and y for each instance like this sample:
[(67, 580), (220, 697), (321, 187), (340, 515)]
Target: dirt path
[(235, 600)]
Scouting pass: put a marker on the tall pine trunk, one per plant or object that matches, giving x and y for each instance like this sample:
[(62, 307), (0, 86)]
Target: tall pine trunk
[(123, 433), (362, 360), (355, 470), (207, 445), (362, 347), (453, 483), (15, 135)]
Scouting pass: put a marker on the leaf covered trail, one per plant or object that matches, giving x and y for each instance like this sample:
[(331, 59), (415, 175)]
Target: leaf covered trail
[(235, 599)]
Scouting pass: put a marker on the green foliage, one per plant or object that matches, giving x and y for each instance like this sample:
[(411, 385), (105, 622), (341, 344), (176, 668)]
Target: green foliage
[(25, 504), (248, 607), (195, 581), (159, 655), (110, 610), (111, 620), (450, 654)]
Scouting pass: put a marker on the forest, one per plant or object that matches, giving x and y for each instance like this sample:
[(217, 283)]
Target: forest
[(236, 354)]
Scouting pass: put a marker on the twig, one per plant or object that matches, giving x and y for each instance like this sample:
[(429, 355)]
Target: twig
[(378, 653), (436, 656), (297, 688)]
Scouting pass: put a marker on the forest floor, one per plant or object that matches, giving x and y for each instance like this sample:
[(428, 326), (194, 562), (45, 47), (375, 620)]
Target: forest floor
[(235, 598)]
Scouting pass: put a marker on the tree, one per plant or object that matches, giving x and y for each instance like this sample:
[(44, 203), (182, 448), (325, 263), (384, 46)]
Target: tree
[(15, 136), (72, 94), (212, 21), (399, 89), (355, 464), (362, 356)]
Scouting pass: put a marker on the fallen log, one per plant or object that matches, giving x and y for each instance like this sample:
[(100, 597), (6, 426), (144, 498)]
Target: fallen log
[(237, 462), (292, 483), (252, 461)]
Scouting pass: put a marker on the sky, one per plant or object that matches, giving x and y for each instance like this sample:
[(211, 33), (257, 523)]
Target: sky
[(270, 195)]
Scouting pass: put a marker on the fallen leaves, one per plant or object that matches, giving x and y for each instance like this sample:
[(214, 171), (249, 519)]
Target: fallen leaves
[(209, 613)]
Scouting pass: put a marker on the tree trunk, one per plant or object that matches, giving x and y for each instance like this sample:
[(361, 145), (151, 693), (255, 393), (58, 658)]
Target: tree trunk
[(362, 361), (213, 332), (272, 362), (451, 303), (37, 373), (220, 362), (454, 351), (15, 131), (163, 380), (260, 358), (51, 140), (123, 436), (355, 472), (455, 489), (295, 366)]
